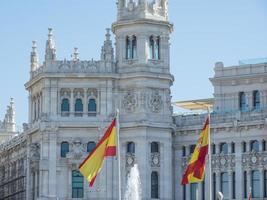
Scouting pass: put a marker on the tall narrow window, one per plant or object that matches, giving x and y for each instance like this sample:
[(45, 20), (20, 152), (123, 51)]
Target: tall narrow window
[(90, 146), (232, 147), (242, 101), (154, 185), (184, 151), (193, 191), (154, 147), (214, 186), (224, 148), (154, 47), (263, 145), (244, 146), (203, 190), (184, 192), (131, 47), (64, 149), (92, 107), (192, 148), (131, 147), (254, 146), (77, 184), (65, 107), (265, 183), (245, 184), (255, 184), (78, 107), (213, 147), (256, 100), (233, 185), (225, 184)]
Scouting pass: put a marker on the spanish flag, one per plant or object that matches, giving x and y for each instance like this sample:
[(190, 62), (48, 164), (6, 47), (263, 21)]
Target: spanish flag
[(92, 165), (195, 170)]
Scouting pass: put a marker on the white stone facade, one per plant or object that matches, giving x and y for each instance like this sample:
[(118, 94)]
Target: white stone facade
[(71, 103)]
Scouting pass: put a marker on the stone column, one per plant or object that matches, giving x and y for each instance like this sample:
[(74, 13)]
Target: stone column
[(85, 103), (142, 48), (52, 160), (238, 170)]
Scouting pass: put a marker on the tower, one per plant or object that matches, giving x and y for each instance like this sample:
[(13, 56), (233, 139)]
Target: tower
[(142, 53)]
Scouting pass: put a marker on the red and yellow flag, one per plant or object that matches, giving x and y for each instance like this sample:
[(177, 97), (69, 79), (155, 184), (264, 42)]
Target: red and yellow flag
[(195, 170), (92, 165)]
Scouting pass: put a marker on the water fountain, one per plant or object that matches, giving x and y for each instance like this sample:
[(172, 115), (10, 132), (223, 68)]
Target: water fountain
[(133, 190)]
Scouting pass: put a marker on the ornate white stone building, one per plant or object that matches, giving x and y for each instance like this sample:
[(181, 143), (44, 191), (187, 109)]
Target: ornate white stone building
[(71, 102)]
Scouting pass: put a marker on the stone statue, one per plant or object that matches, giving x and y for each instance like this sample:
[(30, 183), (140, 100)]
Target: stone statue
[(219, 196)]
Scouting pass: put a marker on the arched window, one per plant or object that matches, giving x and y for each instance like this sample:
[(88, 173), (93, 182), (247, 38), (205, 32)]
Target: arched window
[(256, 100), (255, 184), (64, 149), (154, 47), (193, 191), (78, 107), (130, 147), (131, 47), (65, 106), (77, 184), (154, 185), (242, 101), (154, 147), (254, 146), (225, 184), (92, 107), (90, 146), (224, 148)]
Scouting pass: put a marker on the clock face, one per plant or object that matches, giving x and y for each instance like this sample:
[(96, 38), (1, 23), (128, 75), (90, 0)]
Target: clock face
[(155, 160)]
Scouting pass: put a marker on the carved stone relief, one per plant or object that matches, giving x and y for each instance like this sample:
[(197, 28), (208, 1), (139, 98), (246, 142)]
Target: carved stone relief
[(129, 102), (155, 102)]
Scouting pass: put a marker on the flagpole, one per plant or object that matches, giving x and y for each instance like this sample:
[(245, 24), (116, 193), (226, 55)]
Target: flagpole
[(210, 170), (118, 150)]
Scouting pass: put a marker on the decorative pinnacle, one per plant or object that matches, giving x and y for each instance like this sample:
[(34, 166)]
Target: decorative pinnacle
[(75, 54), (50, 33), (108, 34)]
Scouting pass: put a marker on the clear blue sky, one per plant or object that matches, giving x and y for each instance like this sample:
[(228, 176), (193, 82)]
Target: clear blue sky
[(205, 31)]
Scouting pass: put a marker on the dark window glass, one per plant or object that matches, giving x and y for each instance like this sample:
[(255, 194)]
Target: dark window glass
[(225, 184), (242, 101), (184, 151), (78, 105), (203, 190), (64, 149), (255, 184), (233, 186), (224, 148), (128, 48), (154, 47), (134, 46), (213, 149), (92, 107), (245, 184), (214, 186), (265, 183), (233, 147), (263, 145), (184, 192), (192, 148), (77, 184), (244, 147), (65, 105), (154, 147), (254, 146), (256, 100), (154, 185), (130, 147), (90, 146), (193, 191)]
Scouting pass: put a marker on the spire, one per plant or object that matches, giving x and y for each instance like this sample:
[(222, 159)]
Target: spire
[(34, 57), (9, 120), (50, 52), (75, 54), (107, 53)]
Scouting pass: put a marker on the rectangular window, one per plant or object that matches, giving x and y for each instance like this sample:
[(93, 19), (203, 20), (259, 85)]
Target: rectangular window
[(192, 148), (265, 183), (184, 151), (225, 184), (255, 184), (213, 149), (233, 147), (203, 190), (184, 192), (77, 184), (244, 147), (214, 186)]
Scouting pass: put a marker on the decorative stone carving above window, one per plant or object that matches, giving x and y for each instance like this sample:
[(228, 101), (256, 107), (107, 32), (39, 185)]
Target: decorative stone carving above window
[(65, 93), (155, 160), (78, 93), (129, 102), (223, 162), (77, 150), (254, 160), (92, 92), (155, 102), (130, 160)]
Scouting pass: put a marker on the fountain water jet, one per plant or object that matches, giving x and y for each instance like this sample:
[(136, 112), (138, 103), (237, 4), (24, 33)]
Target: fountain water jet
[(133, 190)]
